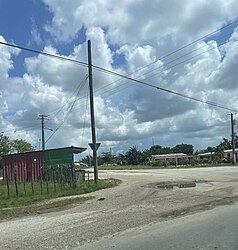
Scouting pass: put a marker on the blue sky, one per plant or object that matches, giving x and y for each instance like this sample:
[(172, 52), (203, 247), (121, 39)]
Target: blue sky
[(19, 16), (128, 38)]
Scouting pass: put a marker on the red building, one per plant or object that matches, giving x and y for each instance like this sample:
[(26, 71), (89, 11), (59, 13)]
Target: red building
[(32, 165)]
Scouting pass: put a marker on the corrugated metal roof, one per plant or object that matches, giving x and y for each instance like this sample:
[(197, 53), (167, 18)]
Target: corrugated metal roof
[(171, 156)]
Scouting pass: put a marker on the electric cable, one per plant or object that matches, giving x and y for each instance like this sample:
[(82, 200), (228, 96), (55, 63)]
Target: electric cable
[(85, 114), (132, 79), (67, 115), (162, 68), (59, 109), (45, 54), (165, 89), (86, 64)]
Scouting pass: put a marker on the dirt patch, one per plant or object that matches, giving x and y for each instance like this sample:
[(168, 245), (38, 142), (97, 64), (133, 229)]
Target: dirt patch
[(200, 207), (134, 203)]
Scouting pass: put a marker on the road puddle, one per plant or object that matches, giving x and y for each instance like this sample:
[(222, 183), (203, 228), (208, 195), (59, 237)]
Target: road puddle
[(179, 184), (203, 184)]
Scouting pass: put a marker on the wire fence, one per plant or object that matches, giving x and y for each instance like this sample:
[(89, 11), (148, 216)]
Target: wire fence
[(55, 178)]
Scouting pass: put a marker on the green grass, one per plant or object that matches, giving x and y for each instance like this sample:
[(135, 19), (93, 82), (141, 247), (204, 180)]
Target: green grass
[(117, 167), (39, 208), (144, 167), (29, 203)]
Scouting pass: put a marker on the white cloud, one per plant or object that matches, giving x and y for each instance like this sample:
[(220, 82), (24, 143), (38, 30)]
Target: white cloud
[(35, 34), (135, 21), (127, 39)]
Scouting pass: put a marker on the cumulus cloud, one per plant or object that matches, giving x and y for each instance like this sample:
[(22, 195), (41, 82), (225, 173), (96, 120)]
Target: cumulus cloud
[(138, 20), (131, 40)]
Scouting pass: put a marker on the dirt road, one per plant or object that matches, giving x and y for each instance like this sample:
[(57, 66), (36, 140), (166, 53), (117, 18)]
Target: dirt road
[(136, 202)]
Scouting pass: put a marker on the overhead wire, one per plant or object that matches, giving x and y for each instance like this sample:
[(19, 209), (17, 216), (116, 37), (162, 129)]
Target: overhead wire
[(162, 67), (85, 114), (86, 64), (171, 91), (189, 44), (164, 64), (67, 59), (59, 109), (165, 89), (67, 115), (130, 78)]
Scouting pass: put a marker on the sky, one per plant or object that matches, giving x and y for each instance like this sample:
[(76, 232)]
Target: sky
[(169, 44)]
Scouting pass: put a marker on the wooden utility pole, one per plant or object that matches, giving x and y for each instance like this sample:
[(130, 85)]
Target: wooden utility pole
[(233, 139), (42, 118), (94, 145)]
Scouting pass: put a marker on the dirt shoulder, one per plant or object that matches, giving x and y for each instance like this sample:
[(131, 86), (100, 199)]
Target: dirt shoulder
[(133, 203)]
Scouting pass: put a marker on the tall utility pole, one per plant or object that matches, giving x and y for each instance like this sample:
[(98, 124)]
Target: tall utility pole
[(42, 118), (233, 138), (94, 145)]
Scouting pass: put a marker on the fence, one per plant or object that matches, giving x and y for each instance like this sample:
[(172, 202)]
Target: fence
[(53, 178)]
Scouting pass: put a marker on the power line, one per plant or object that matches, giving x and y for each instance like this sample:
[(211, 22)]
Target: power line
[(85, 114), (86, 64), (187, 45), (45, 54), (67, 115), (190, 52), (166, 90), (162, 67), (132, 79), (58, 110), (202, 38)]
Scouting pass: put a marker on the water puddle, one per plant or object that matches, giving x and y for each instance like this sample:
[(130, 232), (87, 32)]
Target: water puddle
[(178, 185), (203, 184)]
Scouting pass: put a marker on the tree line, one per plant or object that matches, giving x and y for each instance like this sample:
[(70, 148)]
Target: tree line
[(134, 156)]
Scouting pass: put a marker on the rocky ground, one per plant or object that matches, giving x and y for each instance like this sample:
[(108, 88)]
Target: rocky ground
[(138, 201)]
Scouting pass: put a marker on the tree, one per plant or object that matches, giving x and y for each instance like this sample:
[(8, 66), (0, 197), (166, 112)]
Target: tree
[(219, 152), (145, 156), (133, 156), (156, 150), (183, 148), (15, 146), (210, 149), (107, 158), (21, 146), (5, 145), (121, 159), (87, 160)]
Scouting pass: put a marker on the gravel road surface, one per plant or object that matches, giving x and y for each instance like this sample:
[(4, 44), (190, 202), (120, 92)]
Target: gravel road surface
[(207, 230), (133, 204)]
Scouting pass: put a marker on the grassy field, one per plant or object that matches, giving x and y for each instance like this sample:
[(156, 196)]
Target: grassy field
[(144, 167), (35, 203)]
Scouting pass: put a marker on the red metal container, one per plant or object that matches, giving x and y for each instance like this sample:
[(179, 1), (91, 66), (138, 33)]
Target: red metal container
[(24, 166)]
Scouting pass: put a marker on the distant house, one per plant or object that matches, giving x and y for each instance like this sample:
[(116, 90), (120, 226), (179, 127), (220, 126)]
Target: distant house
[(33, 165), (170, 157), (227, 154), (205, 156)]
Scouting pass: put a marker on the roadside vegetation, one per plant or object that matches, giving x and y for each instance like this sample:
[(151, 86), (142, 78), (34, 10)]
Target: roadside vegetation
[(27, 203), (142, 159), (144, 167)]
